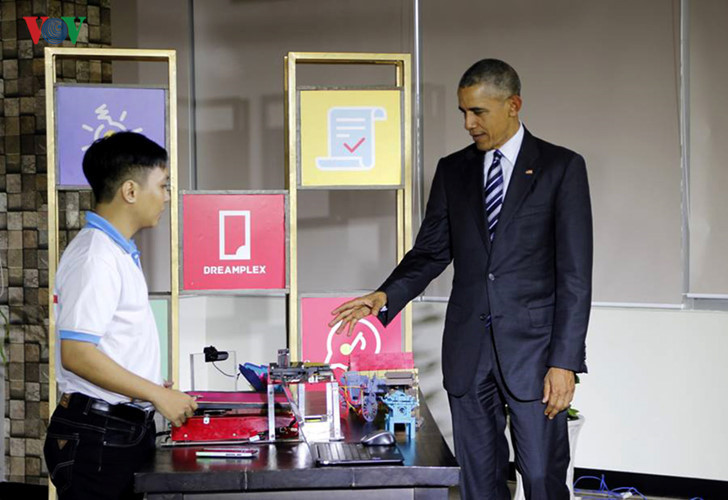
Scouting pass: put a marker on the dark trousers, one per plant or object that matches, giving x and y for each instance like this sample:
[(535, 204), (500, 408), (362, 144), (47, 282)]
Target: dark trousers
[(479, 421), (92, 454)]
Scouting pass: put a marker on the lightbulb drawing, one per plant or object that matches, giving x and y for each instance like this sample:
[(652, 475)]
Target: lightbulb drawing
[(108, 125)]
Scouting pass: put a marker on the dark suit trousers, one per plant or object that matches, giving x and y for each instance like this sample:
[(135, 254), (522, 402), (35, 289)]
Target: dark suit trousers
[(479, 421)]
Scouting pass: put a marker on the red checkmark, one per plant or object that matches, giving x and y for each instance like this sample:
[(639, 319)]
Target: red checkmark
[(354, 148)]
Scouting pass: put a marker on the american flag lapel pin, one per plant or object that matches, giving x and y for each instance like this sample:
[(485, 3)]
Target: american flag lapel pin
[(529, 172)]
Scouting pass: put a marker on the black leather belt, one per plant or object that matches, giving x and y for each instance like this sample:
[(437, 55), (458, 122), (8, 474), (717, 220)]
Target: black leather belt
[(124, 411)]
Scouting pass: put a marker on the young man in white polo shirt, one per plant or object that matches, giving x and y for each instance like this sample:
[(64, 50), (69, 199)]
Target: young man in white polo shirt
[(108, 363)]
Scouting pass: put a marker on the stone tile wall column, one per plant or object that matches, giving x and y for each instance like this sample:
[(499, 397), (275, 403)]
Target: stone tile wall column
[(24, 215)]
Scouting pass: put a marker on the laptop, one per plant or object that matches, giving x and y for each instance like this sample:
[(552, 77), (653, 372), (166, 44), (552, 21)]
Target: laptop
[(337, 453)]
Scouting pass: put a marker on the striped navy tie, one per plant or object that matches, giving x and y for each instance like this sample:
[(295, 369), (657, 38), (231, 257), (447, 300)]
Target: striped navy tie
[(494, 193)]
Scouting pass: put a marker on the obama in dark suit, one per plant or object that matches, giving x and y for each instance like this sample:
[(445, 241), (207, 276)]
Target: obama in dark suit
[(513, 214)]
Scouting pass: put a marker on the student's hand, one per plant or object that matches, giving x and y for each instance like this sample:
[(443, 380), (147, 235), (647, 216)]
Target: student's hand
[(354, 310), (174, 405), (558, 390)]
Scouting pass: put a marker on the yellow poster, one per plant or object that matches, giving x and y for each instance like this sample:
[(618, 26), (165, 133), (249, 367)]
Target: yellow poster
[(351, 138)]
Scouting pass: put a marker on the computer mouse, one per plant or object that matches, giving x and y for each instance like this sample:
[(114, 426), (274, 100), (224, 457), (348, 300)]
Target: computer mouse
[(378, 438)]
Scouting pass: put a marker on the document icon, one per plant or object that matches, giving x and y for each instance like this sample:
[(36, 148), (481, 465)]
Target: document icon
[(234, 234), (351, 138)]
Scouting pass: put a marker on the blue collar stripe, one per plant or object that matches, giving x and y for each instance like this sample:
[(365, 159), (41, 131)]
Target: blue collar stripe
[(95, 221)]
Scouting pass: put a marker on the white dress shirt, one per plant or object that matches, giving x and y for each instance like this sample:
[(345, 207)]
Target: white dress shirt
[(509, 150)]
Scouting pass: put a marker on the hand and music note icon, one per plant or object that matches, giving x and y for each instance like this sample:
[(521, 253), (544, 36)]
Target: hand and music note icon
[(364, 329)]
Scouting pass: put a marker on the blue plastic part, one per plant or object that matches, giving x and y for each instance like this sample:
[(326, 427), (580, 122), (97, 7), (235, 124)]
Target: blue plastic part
[(401, 408), (256, 375)]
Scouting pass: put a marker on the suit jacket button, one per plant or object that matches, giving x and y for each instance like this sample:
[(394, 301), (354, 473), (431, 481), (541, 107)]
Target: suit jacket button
[(491, 276), (483, 317)]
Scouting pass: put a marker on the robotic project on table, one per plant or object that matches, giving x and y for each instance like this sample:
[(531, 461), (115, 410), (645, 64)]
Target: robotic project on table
[(277, 410)]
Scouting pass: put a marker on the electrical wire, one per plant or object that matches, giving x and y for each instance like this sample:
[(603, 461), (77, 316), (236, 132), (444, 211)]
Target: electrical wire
[(226, 374), (358, 410), (618, 493), (347, 399), (602, 483), (626, 491)]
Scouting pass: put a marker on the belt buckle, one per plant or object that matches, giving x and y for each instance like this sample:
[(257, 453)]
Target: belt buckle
[(148, 413), (143, 411), (101, 406), (65, 400)]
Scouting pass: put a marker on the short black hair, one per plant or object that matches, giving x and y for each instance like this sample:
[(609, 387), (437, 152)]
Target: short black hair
[(494, 72), (111, 160)]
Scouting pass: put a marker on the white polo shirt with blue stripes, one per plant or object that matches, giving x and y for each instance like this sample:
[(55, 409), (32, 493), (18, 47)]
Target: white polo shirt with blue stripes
[(101, 297)]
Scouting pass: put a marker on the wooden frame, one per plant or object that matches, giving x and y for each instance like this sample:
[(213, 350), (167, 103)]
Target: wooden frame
[(52, 54), (402, 65)]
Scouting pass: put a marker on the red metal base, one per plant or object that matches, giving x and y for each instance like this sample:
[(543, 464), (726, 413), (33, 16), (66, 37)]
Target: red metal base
[(235, 416)]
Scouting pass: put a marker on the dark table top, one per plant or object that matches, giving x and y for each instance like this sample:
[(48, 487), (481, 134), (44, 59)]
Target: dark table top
[(428, 462)]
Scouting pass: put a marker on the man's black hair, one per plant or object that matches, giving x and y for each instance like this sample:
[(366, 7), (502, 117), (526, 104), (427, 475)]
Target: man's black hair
[(495, 73), (111, 160)]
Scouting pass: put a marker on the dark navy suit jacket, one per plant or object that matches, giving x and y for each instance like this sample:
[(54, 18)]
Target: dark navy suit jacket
[(534, 280)]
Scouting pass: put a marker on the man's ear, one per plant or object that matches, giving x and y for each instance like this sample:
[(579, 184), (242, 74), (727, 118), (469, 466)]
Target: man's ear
[(129, 191), (514, 105)]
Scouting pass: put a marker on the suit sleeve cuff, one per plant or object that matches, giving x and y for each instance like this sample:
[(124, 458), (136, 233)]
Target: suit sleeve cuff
[(574, 367)]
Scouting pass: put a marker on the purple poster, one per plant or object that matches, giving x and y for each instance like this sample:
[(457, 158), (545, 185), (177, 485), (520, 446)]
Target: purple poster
[(84, 114)]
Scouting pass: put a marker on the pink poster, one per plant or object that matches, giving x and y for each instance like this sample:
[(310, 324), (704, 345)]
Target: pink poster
[(320, 343), (234, 241)]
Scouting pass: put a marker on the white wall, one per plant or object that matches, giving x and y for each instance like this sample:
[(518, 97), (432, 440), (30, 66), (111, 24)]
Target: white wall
[(656, 396), (192, 336), (599, 78), (654, 400)]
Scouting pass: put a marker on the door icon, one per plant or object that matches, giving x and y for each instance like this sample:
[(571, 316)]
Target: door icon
[(234, 238)]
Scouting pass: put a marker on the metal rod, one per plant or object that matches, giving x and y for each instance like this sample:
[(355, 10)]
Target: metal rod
[(290, 110), (173, 218), (635, 305), (419, 148), (709, 296), (193, 99), (685, 139), (272, 412)]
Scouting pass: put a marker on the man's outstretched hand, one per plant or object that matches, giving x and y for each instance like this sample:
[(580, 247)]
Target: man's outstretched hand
[(354, 310)]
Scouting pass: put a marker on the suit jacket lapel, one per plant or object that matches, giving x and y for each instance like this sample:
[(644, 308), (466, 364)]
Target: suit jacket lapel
[(473, 178), (520, 182)]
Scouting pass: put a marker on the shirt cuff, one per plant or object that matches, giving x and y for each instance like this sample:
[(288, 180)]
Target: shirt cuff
[(79, 336)]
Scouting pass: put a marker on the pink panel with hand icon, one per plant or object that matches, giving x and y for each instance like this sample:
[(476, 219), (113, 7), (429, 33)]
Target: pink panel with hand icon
[(320, 343)]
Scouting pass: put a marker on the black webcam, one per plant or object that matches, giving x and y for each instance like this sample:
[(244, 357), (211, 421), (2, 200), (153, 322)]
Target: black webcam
[(212, 354)]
